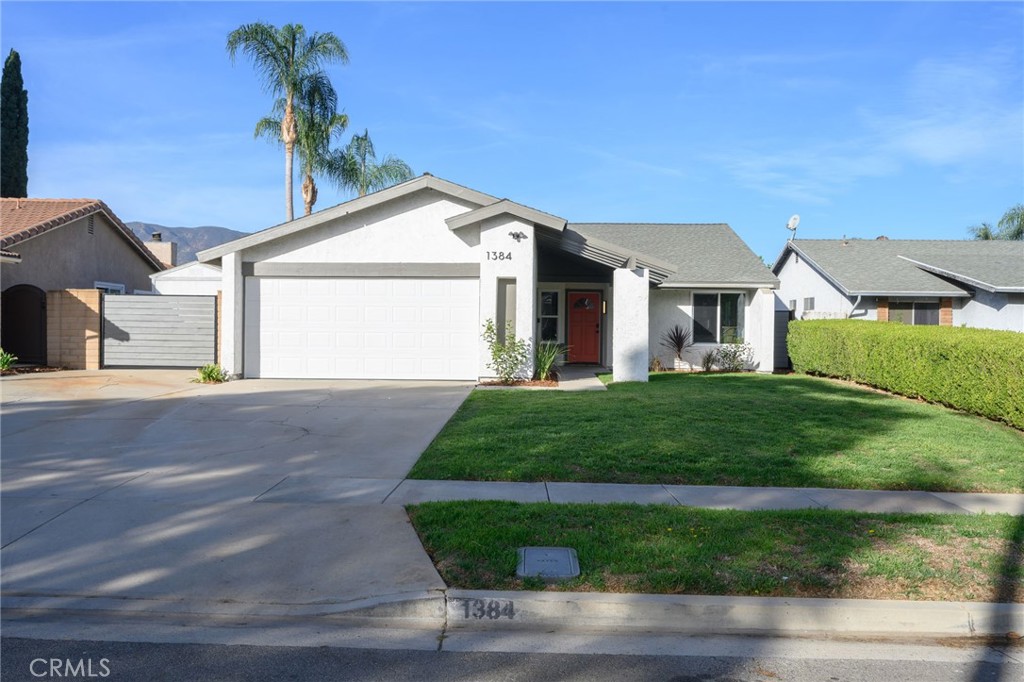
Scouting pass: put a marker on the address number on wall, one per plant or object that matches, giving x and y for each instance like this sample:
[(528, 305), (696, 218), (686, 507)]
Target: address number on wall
[(499, 255)]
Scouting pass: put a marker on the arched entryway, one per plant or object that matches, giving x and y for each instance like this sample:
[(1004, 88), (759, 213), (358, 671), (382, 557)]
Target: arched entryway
[(23, 324)]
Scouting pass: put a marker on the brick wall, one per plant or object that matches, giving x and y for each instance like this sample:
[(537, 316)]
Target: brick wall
[(946, 312), (73, 328), (883, 310)]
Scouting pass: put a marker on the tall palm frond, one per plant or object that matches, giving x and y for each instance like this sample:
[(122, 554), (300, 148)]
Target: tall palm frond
[(356, 168), (284, 59), (1011, 225), (983, 231)]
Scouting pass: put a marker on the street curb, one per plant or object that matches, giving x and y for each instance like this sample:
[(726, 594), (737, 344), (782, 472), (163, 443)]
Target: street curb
[(483, 610), (706, 615)]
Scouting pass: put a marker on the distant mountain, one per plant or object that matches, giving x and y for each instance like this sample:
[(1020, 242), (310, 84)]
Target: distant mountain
[(190, 240)]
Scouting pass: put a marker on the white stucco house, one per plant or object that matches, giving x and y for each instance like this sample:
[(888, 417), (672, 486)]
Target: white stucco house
[(190, 279), (399, 283), (972, 283)]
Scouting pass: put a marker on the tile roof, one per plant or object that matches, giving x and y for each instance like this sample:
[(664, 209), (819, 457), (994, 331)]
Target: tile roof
[(900, 266), (22, 219), (705, 253)]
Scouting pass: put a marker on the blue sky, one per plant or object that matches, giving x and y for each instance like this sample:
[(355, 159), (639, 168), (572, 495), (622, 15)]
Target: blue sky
[(865, 118)]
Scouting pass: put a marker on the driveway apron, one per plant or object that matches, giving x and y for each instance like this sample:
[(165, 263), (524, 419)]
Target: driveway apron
[(136, 489)]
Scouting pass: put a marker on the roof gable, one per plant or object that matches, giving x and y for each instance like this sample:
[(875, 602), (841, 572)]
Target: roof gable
[(506, 207), (23, 219), (423, 182)]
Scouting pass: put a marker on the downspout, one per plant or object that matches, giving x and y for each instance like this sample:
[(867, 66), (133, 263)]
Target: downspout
[(854, 308)]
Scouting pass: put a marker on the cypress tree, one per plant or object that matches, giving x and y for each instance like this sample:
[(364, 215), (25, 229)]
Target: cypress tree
[(13, 130)]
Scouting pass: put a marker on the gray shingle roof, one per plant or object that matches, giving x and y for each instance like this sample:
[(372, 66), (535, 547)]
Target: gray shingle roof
[(710, 254), (900, 266)]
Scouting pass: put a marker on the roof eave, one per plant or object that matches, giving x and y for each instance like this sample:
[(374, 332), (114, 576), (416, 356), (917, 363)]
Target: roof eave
[(719, 285), (525, 213)]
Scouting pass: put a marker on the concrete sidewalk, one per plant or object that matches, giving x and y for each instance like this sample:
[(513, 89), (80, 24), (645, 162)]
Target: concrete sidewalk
[(408, 491)]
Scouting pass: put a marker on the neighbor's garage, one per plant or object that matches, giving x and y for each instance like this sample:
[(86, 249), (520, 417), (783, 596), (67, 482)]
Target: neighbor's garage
[(368, 328)]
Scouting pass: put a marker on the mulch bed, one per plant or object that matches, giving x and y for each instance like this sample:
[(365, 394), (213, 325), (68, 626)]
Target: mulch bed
[(30, 369)]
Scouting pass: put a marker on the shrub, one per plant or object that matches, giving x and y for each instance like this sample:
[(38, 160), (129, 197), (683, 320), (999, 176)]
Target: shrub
[(976, 370), (708, 360), (211, 374), (7, 360), (655, 364), (733, 357), (677, 339), (509, 359), (545, 358)]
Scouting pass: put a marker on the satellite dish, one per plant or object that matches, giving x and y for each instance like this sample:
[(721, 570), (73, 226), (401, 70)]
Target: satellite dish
[(793, 222)]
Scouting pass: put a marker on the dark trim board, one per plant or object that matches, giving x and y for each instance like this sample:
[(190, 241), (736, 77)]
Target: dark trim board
[(360, 270)]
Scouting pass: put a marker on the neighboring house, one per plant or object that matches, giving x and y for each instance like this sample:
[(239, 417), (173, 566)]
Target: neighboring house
[(190, 279), (972, 283), (399, 283), (55, 244)]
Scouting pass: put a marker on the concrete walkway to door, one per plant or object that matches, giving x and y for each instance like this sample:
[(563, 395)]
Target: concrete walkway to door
[(134, 490)]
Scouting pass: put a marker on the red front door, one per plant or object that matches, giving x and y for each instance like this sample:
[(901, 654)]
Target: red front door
[(584, 326)]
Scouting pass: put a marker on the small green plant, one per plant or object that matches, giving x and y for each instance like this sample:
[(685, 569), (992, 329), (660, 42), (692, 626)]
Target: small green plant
[(655, 364), (211, 374), (708, 360), (677, 339), (545, 358), (7, 360), (733, 357), (510, 358)]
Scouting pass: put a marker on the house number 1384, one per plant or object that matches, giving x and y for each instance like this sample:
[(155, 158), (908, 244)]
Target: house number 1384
[(499, 255)]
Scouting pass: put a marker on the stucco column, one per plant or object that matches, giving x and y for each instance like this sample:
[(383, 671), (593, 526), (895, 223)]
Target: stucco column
[(761, 330), (630, 324), (233, 315), (508, 253)]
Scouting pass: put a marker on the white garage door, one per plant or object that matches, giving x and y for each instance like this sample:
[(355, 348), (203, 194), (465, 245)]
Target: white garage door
[(344, 328)]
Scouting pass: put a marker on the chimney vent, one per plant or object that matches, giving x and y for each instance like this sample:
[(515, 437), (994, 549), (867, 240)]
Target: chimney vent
[(157, 237)]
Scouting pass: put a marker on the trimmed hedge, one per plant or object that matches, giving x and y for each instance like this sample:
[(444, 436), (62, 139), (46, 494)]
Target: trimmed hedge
[(975, 370)]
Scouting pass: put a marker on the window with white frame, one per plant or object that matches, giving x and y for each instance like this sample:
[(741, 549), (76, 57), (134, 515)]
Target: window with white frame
[(718, 318), (109, 287), (549, 309)]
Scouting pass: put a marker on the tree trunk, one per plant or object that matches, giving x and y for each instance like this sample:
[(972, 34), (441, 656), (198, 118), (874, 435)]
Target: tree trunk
[(309, 193), (289, 134)]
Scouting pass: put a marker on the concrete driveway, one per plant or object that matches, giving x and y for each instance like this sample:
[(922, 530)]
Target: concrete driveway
[(135, 489)]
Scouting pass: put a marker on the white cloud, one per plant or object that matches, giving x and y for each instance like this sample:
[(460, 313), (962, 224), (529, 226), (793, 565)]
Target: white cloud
[(960, 116)]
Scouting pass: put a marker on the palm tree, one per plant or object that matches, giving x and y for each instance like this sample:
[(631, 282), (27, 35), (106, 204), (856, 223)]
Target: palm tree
[(983, 232), (1011, 225), (317, 123), (356, 167), (284, 58)]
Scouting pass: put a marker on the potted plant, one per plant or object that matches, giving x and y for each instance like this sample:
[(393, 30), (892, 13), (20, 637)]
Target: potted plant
[(677, 339)]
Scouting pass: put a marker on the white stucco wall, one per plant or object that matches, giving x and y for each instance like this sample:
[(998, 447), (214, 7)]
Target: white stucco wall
[(233, 314), (502, 257), (670, 307), (990, 311), (631, 325), (409, 229), (760, 329), (192, 279), (798, 280)]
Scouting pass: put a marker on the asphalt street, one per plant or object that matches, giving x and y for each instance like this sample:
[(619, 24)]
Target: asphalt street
[(29, 659)]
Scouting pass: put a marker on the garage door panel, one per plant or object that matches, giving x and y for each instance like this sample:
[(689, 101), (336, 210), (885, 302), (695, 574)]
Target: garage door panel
[(370, 328)]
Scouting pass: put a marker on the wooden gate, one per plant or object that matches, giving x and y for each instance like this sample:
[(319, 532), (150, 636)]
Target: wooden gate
[(159, 331)]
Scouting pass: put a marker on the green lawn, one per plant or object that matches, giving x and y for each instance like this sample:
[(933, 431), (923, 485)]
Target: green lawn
[(682, 550), (725, 429)]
